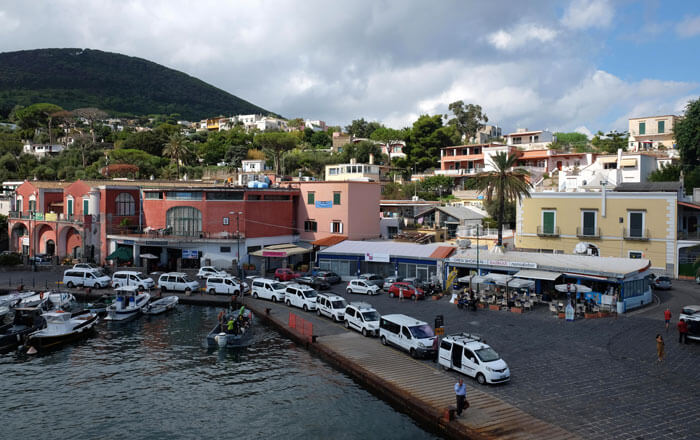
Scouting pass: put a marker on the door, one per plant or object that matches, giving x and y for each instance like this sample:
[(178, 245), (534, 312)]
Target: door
[(70, 208), (229, 286), (50, 247), (559, 165), (469, 363), (405, 338), (457, 351)]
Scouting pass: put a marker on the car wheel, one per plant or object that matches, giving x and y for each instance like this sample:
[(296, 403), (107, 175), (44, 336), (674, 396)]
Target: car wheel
[(347, 324), (274, 299), (364, 332), (141, 288), (445, 368), (349, 291), (413, 297), (413, 353), (391, 294), (306, 309), (188, 291), (335, 318), (481, 379), (255, 295), (318, 312), (212, 292), (289, 304), (383, 340), (163, 289), (70, 284), (115, 286)]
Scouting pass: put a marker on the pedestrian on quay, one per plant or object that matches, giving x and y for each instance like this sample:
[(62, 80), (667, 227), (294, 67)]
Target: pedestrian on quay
[(400, 294), (667, 317), (660, 347), (461, 393), (682, 331)]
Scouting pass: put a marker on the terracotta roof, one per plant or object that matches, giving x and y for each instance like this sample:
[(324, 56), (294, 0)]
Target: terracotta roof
[(442, 252), (533, 154), (331, 240), (461, 157), (689, 205)]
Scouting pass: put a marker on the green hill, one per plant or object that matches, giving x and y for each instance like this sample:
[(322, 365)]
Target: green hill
[(75, 78)]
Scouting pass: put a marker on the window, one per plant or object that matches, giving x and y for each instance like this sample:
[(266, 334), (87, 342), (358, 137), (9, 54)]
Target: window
[(184, 220), (336, 227), (310, 226), (336, 198), (225, 249), (254, 197), (588, 222), (548, 221), (225, 220), (310, 198), (333, 171), (642, 128), (277, 197), (465, 152), (19, 204), (636, 255), (224, 195), (125, 204), (635, 219), (517, 140), (69, 208), (184, 195), (32, 205), (661, 126), (536, 139), (86, 206), (153, 195)]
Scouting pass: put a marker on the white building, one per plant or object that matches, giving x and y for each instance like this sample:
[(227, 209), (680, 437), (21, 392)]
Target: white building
[(253, 166), (315, 125), (41, 150), (609, 170), (530, 140)]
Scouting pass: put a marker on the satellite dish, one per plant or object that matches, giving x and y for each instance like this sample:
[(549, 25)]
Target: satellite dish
[(581, 248)]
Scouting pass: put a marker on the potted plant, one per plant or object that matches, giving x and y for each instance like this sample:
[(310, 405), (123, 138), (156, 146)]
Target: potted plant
[(124, 224)]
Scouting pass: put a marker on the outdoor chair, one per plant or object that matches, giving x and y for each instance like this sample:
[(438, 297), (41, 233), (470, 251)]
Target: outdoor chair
[(553, 308), (527, 305)]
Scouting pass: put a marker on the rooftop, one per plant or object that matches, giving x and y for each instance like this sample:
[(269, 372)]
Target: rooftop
[(458, 212), (398, 249), (649, 187)]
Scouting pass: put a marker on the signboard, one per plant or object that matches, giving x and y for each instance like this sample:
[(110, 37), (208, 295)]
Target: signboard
[(276, 254), (190, 253), (322, 204), (51, 216), (379, 258), (440, 331), (38, 216), (25, 241), (128, 242), (503, 263)]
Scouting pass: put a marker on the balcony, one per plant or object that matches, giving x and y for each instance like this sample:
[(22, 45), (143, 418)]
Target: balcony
[(587, 232), (548, 232), (688, 235), (51, 217), (637, 234), (459, 172)]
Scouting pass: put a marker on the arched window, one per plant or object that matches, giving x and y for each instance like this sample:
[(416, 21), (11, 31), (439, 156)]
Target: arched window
[(184, 220), (125, 204)]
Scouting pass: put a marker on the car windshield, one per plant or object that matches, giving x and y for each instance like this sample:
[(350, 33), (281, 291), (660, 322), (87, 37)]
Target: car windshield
[(338, 304), (310, 293), (422, 331), (185, 279), (370, 316), (667, 279), (487, 354), (138, 277), (689, 311), (278, 286)]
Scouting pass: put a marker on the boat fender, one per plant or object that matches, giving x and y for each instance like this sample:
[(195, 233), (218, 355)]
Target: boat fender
[(32, 350)]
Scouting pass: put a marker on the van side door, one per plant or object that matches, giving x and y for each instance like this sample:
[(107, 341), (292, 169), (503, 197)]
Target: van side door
[(405, 339), (470, 364)]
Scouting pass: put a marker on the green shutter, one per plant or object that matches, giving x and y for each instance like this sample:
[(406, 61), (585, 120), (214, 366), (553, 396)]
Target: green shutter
[(311, 198), (336, 198), (548, 222), (662, 126), (642, 128), (70, 207), (86, 207)]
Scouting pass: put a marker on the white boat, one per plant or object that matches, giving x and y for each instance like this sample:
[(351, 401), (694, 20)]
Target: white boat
[(127, 304), (12, 299), (161, 305), (62, 327), (48, 300)]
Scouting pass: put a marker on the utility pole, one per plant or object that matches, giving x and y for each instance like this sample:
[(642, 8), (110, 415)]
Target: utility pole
[(238, 242)]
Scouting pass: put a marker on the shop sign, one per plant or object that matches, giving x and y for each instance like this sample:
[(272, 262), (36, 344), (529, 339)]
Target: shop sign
[(130, 242), (38, 216), (190, 253), (155, 243), (25, 241), (277, 254), (503, 263), (51, 216), (379, 258), (324, 204)]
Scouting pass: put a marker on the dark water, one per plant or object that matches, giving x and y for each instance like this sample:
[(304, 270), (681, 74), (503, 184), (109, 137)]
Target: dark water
[(154, 378)]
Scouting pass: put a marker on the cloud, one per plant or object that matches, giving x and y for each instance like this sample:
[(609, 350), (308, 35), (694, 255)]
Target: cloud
[(689, 27), (7, 24), (520, 36), (584, 14)]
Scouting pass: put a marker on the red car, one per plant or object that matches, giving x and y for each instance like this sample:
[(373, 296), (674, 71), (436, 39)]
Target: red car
[(285, 275), (409, 290)]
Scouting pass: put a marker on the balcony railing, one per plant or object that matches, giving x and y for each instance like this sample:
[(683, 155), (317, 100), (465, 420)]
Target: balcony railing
[(51, 217), (636, 234), (685, 235), (587, 232), (548, 232), (459, 172)]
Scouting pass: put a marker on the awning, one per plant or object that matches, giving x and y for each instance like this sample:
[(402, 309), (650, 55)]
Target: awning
[(280, 251), (607, 160), (121, 254), (148, 256), (537, 275), (442, 252), (578, 288), (331, 240), (628, 162)]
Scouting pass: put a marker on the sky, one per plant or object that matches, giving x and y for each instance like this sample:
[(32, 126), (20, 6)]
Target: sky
[(572, 65)]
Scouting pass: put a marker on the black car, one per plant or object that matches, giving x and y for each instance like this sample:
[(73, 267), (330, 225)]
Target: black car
[(315, 282), (329, 277)]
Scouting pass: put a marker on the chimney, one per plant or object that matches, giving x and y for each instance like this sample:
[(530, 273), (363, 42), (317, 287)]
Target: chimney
[(371, 158), (353, 161)]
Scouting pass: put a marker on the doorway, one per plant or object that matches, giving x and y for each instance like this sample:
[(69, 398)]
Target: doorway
[(50, 247)]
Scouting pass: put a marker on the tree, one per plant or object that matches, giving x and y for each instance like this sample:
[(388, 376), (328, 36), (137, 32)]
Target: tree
[(359, 151), (235, 154), (611, 142), (84, 144), (360, 128), (36, 116), (687, 134), (503, 185), (177, 149), (427, 137), (667, 173), (468, 119), (274, 144), (437, 185), (92, 115), (321, 139), (295, 123), (567, 141), (388, 135)]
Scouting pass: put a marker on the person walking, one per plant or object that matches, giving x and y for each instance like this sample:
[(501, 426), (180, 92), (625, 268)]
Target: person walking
[(400, 294), (682, 331), (667, 317), (660, 347), (461, 394)]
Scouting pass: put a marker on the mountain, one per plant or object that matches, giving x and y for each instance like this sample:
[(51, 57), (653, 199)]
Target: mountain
[(75, 78)]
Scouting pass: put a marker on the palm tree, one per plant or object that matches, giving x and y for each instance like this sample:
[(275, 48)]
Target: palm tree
[(177, 149), (505, 183)]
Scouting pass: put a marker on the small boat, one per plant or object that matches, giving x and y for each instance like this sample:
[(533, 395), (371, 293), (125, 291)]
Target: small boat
[(99, 307), (161, 305), (49, 300), (25, 322), (127, 304), (240, 336), (62, 327), (12, 299)]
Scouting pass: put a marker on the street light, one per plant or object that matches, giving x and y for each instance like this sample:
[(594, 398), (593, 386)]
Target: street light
[(238, 241)]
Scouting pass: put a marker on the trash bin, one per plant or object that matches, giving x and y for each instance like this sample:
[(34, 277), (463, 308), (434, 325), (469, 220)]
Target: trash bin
[(439, 321), (620, 307)]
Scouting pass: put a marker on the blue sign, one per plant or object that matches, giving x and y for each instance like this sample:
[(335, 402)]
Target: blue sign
[(320, 204), (190, 253)]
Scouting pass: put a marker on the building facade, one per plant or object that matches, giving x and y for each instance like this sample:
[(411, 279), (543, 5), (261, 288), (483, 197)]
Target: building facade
[(530, 140), (652, 133)]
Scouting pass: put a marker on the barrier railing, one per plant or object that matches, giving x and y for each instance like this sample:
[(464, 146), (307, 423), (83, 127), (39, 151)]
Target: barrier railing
[(302, 326)]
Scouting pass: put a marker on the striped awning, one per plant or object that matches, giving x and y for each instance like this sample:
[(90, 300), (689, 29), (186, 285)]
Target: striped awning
[(537, 275), (629, 162)]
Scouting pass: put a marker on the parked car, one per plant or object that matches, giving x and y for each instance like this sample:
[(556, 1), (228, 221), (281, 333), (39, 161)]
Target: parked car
[(222, 285), (40, 259), (132, 278), (388, 281), (331, 305), (415, 282), (268, 289), (469, 355), (362, 317), (409, 290), (373, 278), (177, 281), (362, 286), (209, 271), (301, 296), (691, 316), (409, 334), (88, 266), (662, 283), (86, 278), (315, 282), (329, 277), (282, 274)]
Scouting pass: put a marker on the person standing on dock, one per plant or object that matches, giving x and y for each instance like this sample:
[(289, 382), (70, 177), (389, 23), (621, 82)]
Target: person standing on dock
[(667, 317), (461, 392)]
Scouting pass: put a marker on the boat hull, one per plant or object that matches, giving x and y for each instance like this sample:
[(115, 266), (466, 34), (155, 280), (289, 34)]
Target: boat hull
[(161, 306), (45, 342)]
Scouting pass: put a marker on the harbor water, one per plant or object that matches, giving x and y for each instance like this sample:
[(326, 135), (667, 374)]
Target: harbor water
[(154, 378)]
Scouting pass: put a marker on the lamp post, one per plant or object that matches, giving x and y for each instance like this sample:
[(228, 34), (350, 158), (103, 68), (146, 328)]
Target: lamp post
[(238, 241)]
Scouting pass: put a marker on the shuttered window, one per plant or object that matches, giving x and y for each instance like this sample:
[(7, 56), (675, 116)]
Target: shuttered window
[(548, 222)]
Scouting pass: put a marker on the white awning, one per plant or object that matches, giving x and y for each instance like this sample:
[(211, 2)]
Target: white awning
[(537, 275)]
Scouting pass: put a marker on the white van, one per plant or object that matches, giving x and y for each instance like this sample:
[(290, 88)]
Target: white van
[(223, 285), (132, 278), (409, 334), (363, 318), (331, 305), (86, 278), (469, 355), (268, 289), (177, 281), (301, 296)]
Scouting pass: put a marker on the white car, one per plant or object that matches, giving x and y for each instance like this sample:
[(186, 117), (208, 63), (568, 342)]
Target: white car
[(211, 271), (362, 317), (268, 289), (222, 285), (177, 281), (469, 355), (691, 316), (362, 286), (409, 334), (132, 278), (301, 296), (86, 278), (331, 305)]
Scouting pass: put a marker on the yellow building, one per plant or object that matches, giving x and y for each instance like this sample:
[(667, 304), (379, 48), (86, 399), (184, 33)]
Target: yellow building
[(609, 224), (652, 132)]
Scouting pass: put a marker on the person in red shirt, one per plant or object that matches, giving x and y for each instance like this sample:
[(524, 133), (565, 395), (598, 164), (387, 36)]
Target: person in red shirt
[(667, 316), (682, 331)]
